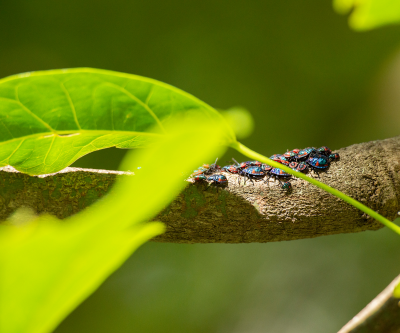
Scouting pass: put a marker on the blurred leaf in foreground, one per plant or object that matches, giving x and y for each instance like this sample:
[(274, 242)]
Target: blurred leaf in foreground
[(240, 120), (48, 267), (369, 14)]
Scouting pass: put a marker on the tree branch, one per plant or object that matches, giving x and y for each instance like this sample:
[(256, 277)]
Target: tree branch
[(382, 314), (368, 172)]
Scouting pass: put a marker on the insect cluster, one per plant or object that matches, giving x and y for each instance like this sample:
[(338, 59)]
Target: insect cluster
[(303, 160)]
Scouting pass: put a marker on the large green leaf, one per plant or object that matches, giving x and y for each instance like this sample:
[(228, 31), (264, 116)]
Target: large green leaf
[(369, 14), (47, 267), (50, 119)]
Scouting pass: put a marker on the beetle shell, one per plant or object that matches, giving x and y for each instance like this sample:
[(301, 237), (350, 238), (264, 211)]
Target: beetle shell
[(293, 165), (296, 151), (318, 162), (284, 162), (287, 186)]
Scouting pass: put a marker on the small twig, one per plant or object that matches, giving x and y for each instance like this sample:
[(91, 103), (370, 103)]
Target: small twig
[(382, 314)]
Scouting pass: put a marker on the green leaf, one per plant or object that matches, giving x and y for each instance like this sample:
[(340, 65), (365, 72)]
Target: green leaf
[(47, 267), (369, 14), (50, 119)]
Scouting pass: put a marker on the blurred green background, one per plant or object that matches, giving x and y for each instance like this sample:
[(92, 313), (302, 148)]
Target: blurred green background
[(307, 79)]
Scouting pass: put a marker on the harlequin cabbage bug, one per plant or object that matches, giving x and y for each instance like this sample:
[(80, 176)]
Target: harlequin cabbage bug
[(334, 157), (277, 174), (252, 172), (290, 155), (286, 186), (230, 168), (318, 163), (218, 179), (305, 153), (210, 168), (324, 150), (199, 178)]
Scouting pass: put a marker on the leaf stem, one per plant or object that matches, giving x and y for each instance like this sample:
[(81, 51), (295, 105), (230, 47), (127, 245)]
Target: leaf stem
[(254, 155)]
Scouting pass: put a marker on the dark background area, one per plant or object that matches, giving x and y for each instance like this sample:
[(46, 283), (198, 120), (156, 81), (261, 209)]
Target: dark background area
[(307, 79)]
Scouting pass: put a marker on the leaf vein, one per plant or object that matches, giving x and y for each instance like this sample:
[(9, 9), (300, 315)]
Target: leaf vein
[(71, 104), (145, 106), (30, 112)]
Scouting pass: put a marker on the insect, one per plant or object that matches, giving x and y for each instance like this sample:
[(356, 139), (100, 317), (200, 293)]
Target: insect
[(334, 157), (324, 150), (302, 167), (255, 163), (304, 153), (246, 164), (266, 167), (252, 172), (276, 157), (199, 178), (210, 168), (218, 179), (286, 186), (277, 174), (242, 165), (318, 163), (230, 168), (284, 162), (296, 151), (198, 172), (290, 155)]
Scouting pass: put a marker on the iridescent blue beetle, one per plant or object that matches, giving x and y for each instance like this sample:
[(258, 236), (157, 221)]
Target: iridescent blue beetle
[(218, 179), (318, 163)]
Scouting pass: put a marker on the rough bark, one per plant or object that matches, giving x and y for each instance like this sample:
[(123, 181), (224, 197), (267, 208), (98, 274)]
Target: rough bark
[(382, 314), (368, 172)]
